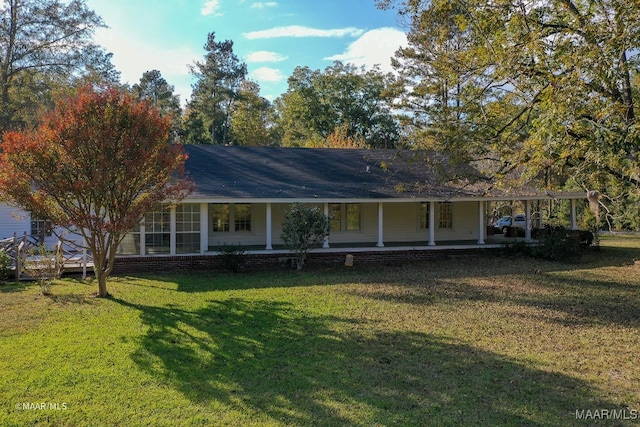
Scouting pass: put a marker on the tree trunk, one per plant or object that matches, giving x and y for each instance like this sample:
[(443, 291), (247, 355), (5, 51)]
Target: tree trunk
[(102, 285)]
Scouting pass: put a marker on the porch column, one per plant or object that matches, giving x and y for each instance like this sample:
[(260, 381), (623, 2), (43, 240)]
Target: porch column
[(432, 223), (380, 243), (172, 231), (268, 236), (527, 220), (574, 222), (481, 224), (204, 227), (143, 239), (326, 214)]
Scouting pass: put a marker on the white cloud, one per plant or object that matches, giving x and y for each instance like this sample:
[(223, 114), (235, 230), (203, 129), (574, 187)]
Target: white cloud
[(264, 5), (132, 57), (209, 7), (266, 74), (373, 47), (300, 31), (265, 56)]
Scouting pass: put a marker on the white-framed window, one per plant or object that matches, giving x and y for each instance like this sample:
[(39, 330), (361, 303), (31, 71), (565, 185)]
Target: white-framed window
[(425, 208), (445, 215), (344, 216), (219, 213), (223, 215), (188, 228), (242, 217), (157, 235), (130, 244)]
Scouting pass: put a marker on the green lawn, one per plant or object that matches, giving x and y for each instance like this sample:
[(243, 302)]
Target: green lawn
[(485, 340)]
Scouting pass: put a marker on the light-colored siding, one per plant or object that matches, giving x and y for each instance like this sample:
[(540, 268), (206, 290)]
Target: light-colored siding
[(13, 220), (401, 224)]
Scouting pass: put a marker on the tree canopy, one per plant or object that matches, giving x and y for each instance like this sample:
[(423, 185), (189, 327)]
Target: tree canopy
[(551, 86), (94, 165), (219, 78), (43, 45), (318, 104)]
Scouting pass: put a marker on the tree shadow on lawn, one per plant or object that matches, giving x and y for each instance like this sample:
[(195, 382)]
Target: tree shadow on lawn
[(583, 301), (8, 287), (275, 363)]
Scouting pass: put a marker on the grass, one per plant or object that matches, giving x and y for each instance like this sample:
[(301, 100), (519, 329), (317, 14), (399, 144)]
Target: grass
[(485, 340)]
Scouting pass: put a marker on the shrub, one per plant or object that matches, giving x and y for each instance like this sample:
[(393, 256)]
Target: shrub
[(233, 256), (44, 266), (557, 244), (304, 228), (5, 266)]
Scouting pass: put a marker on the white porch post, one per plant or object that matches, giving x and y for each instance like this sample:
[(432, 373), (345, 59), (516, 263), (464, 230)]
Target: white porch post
[(527, 220), (432, 223), (143, 239), (268, 237), (204, 227), (172, 231), (481, 227), (326, 214), (380, 243), (574, 222)]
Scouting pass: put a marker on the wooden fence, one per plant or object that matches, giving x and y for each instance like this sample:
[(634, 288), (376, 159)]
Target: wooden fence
[(27, 252)]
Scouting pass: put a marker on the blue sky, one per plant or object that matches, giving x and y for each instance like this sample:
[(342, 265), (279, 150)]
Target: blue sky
[(272, 37)]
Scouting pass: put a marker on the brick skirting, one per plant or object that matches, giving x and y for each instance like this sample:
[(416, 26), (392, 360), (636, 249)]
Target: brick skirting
[(166, 263)]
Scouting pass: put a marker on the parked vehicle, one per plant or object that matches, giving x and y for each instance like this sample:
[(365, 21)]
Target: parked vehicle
[(504, 222)]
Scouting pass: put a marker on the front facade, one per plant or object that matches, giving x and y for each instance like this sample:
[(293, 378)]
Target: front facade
[(377, 200)]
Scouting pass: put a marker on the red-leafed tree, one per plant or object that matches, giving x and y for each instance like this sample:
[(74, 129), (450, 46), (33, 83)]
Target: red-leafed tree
[(94, 165)]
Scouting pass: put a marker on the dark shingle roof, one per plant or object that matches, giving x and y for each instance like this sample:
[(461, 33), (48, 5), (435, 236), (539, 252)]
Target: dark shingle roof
[(302, 173)]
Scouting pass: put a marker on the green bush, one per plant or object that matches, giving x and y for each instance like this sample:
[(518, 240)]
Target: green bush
[(233, 256), (557, 244), (5, 266), (304, 228)]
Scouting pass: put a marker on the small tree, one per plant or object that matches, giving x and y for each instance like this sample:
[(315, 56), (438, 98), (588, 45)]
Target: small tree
[(303, 229), (94, 166), (44, 266)]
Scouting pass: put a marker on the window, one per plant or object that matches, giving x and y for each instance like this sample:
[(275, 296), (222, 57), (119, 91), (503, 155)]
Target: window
[(344, 217), (242, 217), (353, 216), (223, 215), (219, 214), (40, 227), (445, 215), (157, 230), (130, 244), (335, 215), (424, 215), (188, 228)]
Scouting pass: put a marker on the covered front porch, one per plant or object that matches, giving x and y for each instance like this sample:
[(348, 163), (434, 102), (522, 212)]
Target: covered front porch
[(202, 227)]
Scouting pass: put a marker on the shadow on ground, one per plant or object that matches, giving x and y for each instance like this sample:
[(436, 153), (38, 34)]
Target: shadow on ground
[(268, 358)]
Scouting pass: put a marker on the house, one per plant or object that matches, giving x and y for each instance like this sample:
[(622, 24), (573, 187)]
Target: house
[(379, 201)]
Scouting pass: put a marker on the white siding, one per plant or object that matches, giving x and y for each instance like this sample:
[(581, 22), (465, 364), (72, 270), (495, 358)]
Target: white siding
[(13, 220)]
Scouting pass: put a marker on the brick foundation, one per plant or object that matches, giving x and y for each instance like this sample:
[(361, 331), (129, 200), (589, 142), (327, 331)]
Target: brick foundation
[(141, 264)]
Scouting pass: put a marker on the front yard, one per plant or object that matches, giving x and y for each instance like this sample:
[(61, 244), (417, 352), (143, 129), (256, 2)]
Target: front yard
[(485, 340)]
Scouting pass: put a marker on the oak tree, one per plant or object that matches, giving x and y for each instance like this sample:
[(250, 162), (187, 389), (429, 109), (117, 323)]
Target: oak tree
[(319, 102), (94, 165), (547, 88)]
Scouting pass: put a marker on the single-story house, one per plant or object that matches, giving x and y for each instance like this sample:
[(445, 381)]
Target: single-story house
[(379, 201)]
